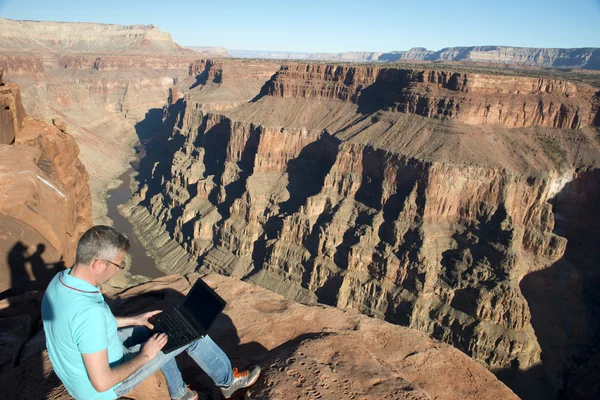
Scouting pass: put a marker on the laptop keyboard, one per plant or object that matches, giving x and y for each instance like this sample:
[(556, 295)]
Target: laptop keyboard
[(176, 329)]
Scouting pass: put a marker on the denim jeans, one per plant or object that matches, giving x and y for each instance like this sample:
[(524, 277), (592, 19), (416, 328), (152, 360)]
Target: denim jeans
[(203, 351)]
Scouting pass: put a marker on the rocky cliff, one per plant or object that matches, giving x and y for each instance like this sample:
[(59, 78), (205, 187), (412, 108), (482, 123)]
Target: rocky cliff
[(366, 188), (102, 99), (45, 207), (45, 203), (332, 354), (101, 80), (12, 113), (475, 99)]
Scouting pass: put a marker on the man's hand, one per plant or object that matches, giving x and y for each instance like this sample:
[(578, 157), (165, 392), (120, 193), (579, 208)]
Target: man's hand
[(137, 320), (142, 319), (103, 377), (153, 345)]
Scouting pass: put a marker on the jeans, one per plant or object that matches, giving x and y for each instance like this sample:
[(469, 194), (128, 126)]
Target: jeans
[(203, 351)]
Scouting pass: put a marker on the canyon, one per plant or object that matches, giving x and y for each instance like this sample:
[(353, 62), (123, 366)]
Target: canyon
[(45, 205), (451, 202), (454, 200), (101, 97)]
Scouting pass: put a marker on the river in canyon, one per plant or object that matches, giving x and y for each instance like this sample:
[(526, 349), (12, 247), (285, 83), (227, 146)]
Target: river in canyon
[(141, 262)]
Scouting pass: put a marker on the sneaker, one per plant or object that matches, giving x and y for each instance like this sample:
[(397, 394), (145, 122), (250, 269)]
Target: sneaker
[(241, 380), (189, 395)]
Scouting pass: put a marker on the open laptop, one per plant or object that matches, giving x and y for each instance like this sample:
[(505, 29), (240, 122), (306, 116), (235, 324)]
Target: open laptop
[(190, 320)]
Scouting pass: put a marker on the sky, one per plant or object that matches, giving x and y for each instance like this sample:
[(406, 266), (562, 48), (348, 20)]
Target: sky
[(337, 26)]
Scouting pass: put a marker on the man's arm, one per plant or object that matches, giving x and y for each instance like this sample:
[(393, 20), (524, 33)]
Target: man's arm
[(103, 377), (137, 320)]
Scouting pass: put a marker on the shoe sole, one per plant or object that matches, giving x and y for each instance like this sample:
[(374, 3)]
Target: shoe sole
[(255, 379), (195, 398), (247, 386)]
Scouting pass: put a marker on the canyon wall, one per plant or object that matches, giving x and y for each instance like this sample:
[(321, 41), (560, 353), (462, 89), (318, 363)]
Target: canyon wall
[(104, 101), (11, 112), (45, 203), (348, 186), (471, 98), (45, 206), (500, 56), (586, 58), (101, 80)]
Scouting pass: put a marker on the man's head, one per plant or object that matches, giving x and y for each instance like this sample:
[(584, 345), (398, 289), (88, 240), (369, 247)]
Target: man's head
[(102, 249)]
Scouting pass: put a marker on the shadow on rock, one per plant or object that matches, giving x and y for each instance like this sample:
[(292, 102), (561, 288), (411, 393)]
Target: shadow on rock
[(564, 301), (28, 270), (20, 319), (243, 356)]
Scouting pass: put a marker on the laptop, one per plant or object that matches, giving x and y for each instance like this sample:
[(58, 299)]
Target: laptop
[(190, 320)]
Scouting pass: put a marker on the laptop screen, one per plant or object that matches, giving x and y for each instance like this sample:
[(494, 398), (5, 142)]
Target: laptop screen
[(203, 303)]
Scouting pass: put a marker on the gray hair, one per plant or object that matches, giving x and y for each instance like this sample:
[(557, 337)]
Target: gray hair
[(100, 242)]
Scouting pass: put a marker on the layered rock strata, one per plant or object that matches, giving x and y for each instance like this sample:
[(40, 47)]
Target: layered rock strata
[(329, 187), (584, 58), (474, 99)]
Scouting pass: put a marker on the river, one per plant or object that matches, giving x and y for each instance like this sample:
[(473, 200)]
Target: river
[(141, 262)]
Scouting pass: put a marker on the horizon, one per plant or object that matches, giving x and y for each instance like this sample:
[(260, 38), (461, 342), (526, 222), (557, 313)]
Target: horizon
[(339, 27)]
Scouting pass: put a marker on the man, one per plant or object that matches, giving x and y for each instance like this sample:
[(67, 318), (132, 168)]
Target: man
[(92, 353)]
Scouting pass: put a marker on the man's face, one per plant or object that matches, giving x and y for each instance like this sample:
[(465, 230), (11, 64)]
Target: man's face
[(112, 267)]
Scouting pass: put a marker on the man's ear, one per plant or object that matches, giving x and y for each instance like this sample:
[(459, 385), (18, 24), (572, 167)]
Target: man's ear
[(99, 266)]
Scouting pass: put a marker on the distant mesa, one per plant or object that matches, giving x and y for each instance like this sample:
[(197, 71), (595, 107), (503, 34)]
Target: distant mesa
[(210, 51), (84, 37), (581, 58)]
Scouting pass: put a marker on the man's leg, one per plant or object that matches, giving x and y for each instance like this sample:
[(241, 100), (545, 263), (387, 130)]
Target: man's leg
[(133, 338), (209, 356), (158, 362), (216, 364)]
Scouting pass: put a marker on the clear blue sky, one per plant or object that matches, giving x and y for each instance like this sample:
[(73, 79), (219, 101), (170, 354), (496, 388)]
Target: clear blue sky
[(336, 26)]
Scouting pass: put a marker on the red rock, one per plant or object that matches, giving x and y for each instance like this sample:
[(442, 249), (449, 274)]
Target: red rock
[(11, 113), (45, 204)]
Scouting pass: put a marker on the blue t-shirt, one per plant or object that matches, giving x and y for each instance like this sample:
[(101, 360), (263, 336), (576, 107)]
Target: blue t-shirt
[(78, 321)]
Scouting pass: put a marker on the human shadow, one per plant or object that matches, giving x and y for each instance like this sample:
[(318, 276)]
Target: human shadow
[(29, 271), (564, 300)]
